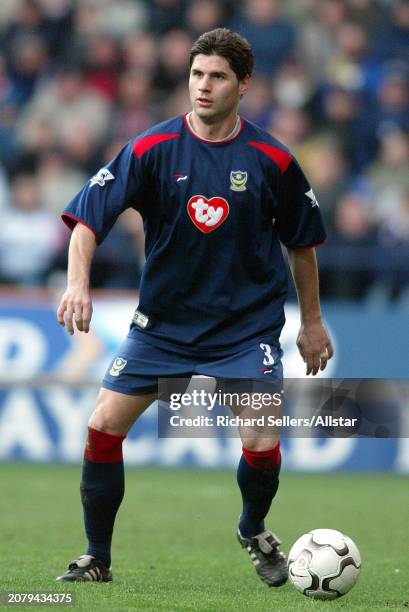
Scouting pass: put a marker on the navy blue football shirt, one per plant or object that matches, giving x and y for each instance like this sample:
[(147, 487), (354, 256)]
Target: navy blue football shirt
[(214, 215)]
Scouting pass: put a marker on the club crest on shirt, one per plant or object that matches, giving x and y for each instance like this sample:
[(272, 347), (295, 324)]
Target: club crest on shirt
[(101, 177), (238, 180), (207, 213), (118, 366)]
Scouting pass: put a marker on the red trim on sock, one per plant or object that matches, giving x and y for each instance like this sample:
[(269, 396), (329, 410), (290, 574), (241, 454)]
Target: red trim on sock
[(263, 460), (103, 447)]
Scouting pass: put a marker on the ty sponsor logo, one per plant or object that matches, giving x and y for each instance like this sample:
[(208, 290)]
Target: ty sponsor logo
[(101, 177), (238, 180), (207, 214), (118, 366)]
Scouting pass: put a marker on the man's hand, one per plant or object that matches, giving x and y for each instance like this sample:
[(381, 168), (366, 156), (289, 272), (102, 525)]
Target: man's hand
[(75, 303), (315, 345)]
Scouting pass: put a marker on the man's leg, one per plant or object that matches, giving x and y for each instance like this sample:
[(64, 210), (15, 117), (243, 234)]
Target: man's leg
[(259, 466), (102, 483), (258, 478), (240, 375)]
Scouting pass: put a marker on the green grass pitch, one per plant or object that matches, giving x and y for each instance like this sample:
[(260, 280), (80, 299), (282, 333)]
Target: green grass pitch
[(175, 546)]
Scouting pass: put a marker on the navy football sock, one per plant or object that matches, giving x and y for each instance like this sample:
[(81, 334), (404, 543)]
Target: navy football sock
[(102, 490), (258, 483)]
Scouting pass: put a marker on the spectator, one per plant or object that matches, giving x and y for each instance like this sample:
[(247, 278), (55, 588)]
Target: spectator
[(317, 41), (118, 17), (61, 108), (356, 238), (9, 9), (79, 78), (258, 106), (141, 53), (164, 15), (9, 108), (392, 42), (81, 147), (27, 20), (289, 125), (390, 109), (368, 13), (134, 113), (326, 168), (271, 36), (388, 177), (58, 26), (350, 66), (102, 65), (293, 88), (176, 103), (397, 226), (173, 65), (57, 180), (30, 236), (4, 191), (28, 66), (338, 118), (203, 16)]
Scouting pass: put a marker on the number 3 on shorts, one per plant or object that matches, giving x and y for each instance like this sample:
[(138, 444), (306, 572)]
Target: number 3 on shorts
[(268, 358)]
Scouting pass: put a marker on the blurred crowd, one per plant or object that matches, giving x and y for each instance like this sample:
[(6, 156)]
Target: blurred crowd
[(78, 78)]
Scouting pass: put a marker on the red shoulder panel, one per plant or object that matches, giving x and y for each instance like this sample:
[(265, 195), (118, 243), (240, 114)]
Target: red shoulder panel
[(281, 158), (145, 143)]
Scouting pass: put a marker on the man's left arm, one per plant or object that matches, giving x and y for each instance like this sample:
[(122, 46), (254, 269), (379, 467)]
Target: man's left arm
[(313, 340)]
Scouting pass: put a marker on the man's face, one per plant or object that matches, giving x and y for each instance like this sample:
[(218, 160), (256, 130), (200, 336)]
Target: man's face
[(214, 88)]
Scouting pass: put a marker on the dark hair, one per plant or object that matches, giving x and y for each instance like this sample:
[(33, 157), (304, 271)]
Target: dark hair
[(230, 45)]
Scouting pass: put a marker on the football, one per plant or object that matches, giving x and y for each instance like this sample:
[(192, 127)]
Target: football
[(324, 564)]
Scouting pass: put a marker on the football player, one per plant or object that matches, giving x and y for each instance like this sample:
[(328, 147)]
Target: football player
[(218, 196)]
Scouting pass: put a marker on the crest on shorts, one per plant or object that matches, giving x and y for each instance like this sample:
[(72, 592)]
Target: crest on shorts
[(118, 366), (238, 180)]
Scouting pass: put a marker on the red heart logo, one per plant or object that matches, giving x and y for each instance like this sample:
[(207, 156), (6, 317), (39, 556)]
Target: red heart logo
[(206, 214)]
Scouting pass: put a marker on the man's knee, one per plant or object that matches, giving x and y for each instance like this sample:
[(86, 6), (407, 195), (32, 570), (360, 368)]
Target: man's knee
[(259, 444), (264, 456), (115, 413), (101, 421), (105, 418)]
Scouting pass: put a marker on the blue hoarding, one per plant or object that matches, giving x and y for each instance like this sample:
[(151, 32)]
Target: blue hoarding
[(49, 383)]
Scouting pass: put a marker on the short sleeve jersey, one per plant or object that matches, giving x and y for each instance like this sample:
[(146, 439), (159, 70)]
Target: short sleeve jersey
[(215, 214)]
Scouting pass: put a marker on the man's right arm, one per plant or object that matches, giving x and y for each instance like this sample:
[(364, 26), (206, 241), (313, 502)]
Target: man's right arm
[(76, 301)]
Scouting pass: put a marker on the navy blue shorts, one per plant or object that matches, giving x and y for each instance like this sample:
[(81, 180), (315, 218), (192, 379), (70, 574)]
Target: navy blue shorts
[(137, 366)]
